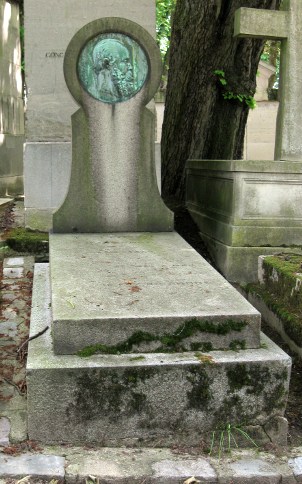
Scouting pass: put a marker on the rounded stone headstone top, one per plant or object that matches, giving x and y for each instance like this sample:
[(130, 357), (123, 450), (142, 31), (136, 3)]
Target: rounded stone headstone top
[(112, 59)]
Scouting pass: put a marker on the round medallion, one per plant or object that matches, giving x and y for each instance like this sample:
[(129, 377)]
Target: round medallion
[(112, 67)]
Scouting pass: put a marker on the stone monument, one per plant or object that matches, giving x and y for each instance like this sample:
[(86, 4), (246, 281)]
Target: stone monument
[(249, 208), (113, 184), (49, 26), (11, 101), (149, 345)]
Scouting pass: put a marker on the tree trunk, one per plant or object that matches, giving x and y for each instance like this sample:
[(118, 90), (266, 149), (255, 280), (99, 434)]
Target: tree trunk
[(199, 122)]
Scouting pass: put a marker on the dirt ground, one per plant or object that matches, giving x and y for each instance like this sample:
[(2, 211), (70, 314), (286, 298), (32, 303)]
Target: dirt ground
[(188, 230)]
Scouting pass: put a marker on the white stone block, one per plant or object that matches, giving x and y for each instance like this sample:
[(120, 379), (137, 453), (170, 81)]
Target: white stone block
[(46, 174)]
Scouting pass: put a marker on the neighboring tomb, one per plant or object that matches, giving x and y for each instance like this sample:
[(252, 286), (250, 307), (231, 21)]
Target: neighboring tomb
[(11, 102), (249, 208)]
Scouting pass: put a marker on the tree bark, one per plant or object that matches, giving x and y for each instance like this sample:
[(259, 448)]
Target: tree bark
[(199, 122)]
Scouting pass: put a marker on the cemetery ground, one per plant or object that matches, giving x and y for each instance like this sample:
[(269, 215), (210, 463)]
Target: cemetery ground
[(13, 343)]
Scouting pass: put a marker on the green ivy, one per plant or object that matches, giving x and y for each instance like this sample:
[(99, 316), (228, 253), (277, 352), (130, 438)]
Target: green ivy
[(229, 95)]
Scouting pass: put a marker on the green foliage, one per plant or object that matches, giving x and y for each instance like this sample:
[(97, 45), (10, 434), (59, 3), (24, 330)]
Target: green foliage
[(169, 343), (271, 55), (229, 95), (164, 10)]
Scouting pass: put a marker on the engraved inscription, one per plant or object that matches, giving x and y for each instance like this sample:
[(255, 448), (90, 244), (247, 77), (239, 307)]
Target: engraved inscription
[(54, 55), (112, 67)]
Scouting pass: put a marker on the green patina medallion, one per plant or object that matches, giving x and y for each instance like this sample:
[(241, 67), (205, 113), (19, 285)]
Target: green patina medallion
[(112, 67)]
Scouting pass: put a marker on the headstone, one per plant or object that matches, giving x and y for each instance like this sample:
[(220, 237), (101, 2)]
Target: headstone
[(49, 26), (113, 185), (11, 102)]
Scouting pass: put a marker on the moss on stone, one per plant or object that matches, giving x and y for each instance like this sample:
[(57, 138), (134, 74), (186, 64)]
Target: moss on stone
[(200, 396), (110, 394), (25, 240), (137, 358), (252, 378), (282, 276), (204, 347), (290, 316), (275, 399), (237, 345), (286, 264), (168, 343)]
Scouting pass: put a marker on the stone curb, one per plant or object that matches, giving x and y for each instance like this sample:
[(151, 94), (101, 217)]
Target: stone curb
[(143, 466)]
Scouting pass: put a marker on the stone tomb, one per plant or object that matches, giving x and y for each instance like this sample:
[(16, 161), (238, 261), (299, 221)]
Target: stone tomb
[(148, 345), (248, 208)]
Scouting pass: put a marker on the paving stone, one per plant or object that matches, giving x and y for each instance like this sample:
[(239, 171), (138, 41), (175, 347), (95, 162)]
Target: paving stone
[(9, 313), (128, 466), (13, 272), (10, 284), (14, 262), (183, 468), (8, 296), (9, 329), (35, 465), (248, 471), (296, 465), (4, 431)]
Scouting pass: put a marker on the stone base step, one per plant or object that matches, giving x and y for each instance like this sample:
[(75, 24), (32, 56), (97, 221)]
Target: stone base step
[(143, 292), (150, 399), (75, 465)]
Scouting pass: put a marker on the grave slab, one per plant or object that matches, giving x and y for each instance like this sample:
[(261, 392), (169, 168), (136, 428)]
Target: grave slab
[(142, 282), (148, 399)]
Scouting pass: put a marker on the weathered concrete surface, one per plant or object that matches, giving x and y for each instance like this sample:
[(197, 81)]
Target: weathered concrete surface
[(140, 282), (154, 399), (11, 102), (245, 209)]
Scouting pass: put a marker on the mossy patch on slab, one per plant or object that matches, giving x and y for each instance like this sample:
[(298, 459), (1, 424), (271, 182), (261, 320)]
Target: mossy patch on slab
[(289, 315), (168, 343), (24, 240), (286, 264)]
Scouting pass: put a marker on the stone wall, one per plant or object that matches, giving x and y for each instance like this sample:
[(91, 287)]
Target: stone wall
[(11, 102), (49, 27)]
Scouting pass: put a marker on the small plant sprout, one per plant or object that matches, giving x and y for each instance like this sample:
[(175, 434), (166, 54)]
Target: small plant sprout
[(226, 438)]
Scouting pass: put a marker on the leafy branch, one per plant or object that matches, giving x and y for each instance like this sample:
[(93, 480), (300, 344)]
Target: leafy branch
[(229, 95)]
